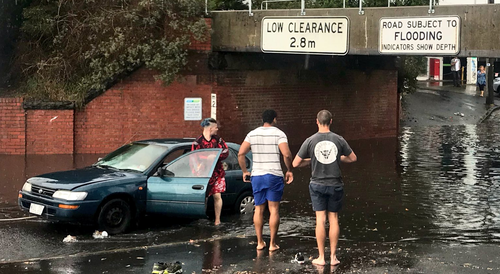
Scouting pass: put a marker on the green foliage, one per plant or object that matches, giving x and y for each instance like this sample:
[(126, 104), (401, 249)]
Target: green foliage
[(410, 68), (69, 48), (226, 5)]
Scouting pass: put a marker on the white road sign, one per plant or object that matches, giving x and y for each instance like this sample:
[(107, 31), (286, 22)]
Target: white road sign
[(420, 35), (305, 35)]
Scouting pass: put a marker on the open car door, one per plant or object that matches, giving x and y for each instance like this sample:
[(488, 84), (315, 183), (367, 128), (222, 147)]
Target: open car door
[(180, 188)]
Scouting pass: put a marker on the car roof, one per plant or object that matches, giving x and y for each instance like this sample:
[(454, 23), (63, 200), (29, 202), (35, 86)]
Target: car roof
[(179, 142), (167, 141)]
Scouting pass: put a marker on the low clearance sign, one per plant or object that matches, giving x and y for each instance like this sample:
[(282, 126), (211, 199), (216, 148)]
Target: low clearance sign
[(305, 35), (420, 35)]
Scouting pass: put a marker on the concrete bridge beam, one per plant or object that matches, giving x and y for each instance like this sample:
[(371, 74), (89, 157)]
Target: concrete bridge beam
[(235, 31)]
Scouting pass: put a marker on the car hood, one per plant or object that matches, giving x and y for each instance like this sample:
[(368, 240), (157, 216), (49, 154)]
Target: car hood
[(76, 178)]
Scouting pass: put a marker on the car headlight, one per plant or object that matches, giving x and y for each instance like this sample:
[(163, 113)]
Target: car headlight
[(27, 187), (69, 195)]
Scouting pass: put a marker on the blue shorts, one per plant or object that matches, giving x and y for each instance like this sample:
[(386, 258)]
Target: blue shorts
[(267, 187), (326, 197)]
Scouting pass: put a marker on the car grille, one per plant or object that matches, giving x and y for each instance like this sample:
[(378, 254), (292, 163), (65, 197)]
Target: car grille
[(42, 191)]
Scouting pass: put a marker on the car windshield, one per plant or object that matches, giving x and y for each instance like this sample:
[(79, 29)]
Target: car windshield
[(136, 157)]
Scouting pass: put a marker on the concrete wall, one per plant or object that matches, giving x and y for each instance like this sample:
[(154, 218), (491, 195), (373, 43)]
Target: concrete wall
[(235, 31)]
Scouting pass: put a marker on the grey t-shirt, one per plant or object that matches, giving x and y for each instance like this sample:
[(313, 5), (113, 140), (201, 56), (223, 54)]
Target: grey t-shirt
[(325, 150)]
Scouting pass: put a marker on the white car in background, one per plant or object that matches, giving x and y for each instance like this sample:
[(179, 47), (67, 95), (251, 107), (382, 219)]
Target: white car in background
[(496, 85)]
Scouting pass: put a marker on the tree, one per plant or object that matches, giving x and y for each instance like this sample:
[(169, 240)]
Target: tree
[(10, 21), (226, 5), (69, 48)]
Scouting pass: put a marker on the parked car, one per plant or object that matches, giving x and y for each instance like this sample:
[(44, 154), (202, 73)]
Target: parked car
[(496, 85), (161, 176)]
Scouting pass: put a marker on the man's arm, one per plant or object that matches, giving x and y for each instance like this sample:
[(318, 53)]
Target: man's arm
[(287, 157), (349, 159), (299, 162), (244, 149)]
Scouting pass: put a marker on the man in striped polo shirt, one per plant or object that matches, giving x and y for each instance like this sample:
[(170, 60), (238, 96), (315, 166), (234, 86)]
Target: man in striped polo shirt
[(266, 143)]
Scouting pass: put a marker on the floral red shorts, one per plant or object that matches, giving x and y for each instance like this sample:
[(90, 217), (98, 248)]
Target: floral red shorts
[(218, 187)]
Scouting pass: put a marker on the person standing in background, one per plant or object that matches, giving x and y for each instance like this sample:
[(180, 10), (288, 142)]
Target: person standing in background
[(456, 68), (481, 79)]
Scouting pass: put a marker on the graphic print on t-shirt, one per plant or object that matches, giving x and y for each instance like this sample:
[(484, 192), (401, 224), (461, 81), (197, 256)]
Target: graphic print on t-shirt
[(326, 152)]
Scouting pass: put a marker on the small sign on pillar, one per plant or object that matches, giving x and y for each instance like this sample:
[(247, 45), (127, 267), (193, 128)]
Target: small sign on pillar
[(213, 106)]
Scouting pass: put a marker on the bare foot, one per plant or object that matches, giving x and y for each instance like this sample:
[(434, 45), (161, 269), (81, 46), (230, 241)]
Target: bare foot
[(334, 261), (217, 223), (274, 247), (319, 261), (261, 246)]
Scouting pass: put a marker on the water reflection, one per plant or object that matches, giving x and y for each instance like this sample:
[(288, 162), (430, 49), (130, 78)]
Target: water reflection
[(447, 180)]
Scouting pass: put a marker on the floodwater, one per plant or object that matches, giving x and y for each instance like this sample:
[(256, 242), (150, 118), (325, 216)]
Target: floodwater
[(433, 187)]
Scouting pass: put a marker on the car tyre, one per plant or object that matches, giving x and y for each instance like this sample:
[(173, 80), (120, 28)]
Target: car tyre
[(245, 204), (115, 216)]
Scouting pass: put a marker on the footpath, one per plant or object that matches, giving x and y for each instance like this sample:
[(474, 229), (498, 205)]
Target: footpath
[(440, 103)]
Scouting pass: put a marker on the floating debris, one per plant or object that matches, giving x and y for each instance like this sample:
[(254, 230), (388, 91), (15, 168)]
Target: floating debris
[(70, 239)]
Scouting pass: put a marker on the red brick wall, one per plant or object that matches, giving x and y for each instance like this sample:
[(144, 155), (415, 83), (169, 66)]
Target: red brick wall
[(138, 108), (49, 132), (364, 105), (12, 126)]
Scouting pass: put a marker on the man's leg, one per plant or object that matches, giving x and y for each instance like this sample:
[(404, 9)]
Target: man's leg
[(320, 237), (217, 207), (333, 219), (258, 221), (274, 223)]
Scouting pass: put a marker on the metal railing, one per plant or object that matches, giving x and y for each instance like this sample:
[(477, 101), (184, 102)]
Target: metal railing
[(273, 1), (432, 4)]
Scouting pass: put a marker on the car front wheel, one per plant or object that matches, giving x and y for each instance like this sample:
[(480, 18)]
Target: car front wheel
[(115, 216), (245, 203)]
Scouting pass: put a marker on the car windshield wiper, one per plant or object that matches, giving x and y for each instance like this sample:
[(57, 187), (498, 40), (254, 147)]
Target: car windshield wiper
[(129, 169), (107, 167)]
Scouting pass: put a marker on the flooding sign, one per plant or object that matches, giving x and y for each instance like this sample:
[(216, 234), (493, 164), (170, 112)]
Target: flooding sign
[(420, 35), (305, 35)]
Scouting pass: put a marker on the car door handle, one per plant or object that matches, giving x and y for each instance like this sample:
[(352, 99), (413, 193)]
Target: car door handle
[(199, 187)]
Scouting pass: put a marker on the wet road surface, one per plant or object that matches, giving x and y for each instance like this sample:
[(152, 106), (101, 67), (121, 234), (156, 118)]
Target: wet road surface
[(426, 202)]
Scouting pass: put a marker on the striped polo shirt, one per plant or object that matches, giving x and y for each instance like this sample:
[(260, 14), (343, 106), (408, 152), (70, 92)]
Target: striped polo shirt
[(264, 143)]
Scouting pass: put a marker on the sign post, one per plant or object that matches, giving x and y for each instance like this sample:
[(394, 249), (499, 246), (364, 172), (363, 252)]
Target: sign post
[(420, 35), (305, 35)]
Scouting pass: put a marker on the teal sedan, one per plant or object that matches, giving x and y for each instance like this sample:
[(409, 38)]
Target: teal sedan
[(161, 176)]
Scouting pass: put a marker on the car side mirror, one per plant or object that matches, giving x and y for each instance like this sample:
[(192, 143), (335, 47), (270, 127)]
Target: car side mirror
[(160, 172), (168, 173)]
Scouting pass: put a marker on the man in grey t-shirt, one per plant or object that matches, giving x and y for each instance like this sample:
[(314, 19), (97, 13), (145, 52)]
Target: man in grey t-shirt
[(324, 151)]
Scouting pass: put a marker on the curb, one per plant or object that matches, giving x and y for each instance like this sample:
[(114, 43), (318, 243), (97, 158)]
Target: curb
[(488, 114)]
